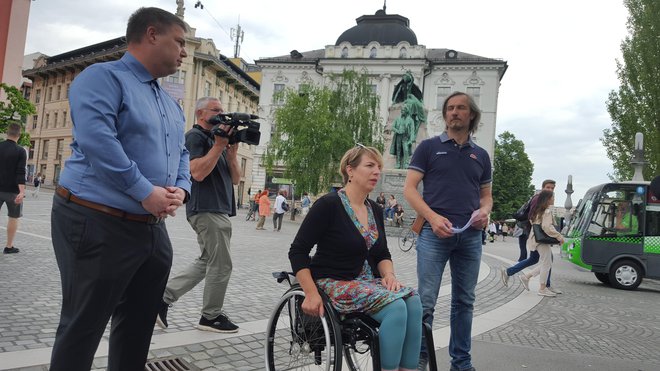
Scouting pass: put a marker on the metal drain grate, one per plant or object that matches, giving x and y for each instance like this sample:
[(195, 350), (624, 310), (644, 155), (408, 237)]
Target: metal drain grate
[(169, 364)]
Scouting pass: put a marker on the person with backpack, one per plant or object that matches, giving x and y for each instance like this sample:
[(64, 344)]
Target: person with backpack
[(37, 185), (524, 213), (280, 208)]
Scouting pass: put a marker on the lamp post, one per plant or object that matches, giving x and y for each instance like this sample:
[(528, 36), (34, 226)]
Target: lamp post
[(568, 204), (637, 161)]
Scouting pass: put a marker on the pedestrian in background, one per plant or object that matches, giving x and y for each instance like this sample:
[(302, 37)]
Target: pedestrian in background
[(457, 179), (37, 185), (541, 215), (505, 273), (278, 210), (305, 203), (12, 182), (128, 170), (264, 209)]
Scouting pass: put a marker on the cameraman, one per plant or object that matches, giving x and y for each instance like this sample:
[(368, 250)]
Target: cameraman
[(214, 169)]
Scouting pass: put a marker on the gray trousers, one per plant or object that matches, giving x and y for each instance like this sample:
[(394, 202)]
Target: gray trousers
[(214, 264)]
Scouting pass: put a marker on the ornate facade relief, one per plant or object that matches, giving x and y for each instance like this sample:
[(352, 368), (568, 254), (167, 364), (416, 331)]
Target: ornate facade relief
[(474, 79)]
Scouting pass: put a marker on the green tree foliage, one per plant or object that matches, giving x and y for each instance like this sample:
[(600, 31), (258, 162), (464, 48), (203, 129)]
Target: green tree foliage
[(15, 106), (317, 124), (635, 107), (512, 176)]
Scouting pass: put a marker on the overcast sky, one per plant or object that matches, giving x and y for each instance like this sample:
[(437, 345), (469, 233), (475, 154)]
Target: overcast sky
[(561, 55)]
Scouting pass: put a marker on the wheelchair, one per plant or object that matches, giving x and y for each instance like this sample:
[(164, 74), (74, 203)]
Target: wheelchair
[(297, 341)]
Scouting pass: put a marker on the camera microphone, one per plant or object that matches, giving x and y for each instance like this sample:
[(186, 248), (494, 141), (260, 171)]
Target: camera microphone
[(243, 116)]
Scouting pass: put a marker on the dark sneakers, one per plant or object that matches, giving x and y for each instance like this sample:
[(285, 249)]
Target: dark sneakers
[(10, 250), (220, 324), (161, 318)]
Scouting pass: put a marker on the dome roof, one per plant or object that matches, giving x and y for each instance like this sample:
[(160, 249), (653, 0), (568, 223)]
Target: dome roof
[(383, 28)]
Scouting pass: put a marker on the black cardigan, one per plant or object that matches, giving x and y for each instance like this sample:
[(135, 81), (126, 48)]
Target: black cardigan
[(340, 248)]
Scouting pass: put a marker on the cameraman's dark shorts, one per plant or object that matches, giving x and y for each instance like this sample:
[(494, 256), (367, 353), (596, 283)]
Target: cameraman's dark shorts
[(13, 210)]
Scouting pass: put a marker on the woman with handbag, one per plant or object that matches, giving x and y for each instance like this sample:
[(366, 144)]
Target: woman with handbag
[(541, 237)]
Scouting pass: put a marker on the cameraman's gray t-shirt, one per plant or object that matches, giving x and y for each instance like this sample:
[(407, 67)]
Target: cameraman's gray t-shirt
[(214, 194)]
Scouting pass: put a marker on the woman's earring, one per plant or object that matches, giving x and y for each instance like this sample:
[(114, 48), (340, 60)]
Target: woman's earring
[(349, 179)]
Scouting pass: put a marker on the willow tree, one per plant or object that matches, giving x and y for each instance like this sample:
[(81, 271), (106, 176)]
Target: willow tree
[(635, 107), (512, 176), (315, 125)]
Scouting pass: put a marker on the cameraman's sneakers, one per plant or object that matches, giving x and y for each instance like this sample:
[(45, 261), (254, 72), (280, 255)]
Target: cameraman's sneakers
[(161, 318), (219, 324), (10, 250)]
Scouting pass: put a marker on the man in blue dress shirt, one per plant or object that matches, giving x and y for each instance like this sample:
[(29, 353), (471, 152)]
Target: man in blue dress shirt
[(128, 171)]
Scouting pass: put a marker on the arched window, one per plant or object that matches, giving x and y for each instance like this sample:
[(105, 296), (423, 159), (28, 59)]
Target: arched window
[(403, 53), (373, 52), (344, 52)]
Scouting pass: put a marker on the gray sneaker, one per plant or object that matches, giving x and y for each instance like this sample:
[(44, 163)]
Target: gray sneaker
[(525, 281), (504, 277), (554, 289)]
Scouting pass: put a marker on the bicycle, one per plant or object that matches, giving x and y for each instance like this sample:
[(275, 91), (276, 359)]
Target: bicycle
[(250, 214), (407, 239)]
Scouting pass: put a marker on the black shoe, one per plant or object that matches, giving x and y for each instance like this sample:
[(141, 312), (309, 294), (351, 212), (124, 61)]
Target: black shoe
[(423, 362), (10, 250), (467, 369), (220, 324), (161, 318)]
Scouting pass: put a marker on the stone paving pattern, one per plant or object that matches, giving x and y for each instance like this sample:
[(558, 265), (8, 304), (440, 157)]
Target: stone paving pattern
[(589, 318)]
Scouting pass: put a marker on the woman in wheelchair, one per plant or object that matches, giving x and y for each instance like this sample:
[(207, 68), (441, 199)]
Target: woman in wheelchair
[(352, 263)]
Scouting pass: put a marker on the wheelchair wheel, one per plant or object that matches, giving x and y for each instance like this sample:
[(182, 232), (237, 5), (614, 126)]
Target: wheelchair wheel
[(359, 356), (296, 341), (359, 336)]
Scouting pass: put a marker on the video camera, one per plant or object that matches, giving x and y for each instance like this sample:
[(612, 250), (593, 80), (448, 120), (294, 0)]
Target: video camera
[(249, 135)]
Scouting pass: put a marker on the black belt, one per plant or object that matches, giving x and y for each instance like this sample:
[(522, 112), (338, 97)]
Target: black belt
[(142, 218)]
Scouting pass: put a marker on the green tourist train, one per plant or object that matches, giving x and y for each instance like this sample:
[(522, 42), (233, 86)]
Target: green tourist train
[(615, 233)]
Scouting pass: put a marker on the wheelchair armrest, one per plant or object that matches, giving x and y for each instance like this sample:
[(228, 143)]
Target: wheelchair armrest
[(283, 275)]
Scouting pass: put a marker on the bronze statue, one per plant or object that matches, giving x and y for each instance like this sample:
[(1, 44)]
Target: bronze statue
[(406, 126)]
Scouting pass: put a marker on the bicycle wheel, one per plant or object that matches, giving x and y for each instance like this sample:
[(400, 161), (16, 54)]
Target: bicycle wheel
[(407, 239), (296, 341)]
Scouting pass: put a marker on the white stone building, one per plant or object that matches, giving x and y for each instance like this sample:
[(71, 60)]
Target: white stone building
[(385, 47)]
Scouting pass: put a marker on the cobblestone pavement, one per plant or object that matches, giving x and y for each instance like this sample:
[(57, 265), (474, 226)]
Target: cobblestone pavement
[(589, 318)]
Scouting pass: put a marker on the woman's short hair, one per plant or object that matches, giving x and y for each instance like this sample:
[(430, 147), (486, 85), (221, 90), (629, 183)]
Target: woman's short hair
[(353, 157)]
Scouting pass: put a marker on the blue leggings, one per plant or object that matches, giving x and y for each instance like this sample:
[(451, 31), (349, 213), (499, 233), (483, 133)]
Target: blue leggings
[(400, 333)]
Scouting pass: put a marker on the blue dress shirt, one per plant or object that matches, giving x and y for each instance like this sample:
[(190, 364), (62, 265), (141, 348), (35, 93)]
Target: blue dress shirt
[(128, 136)]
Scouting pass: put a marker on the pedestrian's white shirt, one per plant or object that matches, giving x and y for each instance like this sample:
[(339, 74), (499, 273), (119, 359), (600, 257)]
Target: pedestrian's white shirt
[(278, 204)]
